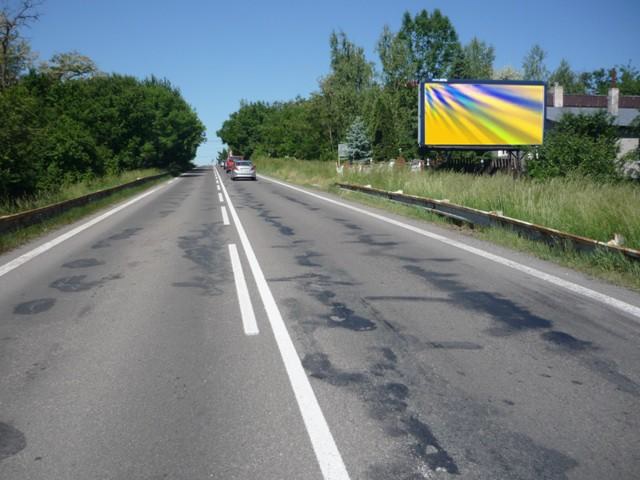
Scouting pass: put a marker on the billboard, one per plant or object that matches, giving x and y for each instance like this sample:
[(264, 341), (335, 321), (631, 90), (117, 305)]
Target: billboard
[(481, 114)]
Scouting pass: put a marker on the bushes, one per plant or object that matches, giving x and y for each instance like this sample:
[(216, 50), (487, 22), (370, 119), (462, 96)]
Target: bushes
[(56, 132), (16, 142), (579, 144)]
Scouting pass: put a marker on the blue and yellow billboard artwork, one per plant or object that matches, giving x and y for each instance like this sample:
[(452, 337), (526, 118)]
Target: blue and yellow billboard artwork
[(477, 114)]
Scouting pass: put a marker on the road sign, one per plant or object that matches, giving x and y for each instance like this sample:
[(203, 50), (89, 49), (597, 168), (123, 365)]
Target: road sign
[(343, 151)]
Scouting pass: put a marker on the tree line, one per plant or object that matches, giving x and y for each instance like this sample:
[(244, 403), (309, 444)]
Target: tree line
[(64, 121), (425, 46)]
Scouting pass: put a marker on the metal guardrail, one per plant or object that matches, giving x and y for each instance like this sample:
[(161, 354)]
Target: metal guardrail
[(31, 217), (471, 216)]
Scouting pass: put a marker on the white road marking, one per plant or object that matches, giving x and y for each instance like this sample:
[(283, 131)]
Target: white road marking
[(557, 281), (246, 309), (324, 446), (220, 198), (225, 217), (218, 187), (22, 259)]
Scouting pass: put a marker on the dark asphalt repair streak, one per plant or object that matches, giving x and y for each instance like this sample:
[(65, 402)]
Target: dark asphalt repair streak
[(34, 306), (77, 283), (385, 400), (12, 441), (124, 235), (387, 403), (83, 263), (344, 317), (566, 341), (201, 247), (513, 319), (386, 391)]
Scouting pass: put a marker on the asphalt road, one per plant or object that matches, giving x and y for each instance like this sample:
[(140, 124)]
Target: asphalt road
[(358, 348)]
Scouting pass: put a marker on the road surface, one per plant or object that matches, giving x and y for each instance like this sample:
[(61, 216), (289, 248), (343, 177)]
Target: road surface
[(250, 330)]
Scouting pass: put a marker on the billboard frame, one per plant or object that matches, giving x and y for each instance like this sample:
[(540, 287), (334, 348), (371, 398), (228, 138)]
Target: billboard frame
[(421, 115)]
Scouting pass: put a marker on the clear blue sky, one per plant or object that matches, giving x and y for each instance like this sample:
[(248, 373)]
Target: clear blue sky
[(219, 52)]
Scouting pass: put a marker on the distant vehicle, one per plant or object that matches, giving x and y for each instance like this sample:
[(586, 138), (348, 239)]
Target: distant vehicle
[(231, 161), (243, 169)]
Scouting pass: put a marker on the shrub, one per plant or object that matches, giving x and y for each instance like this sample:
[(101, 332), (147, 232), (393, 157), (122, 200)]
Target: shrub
[(579, 144)]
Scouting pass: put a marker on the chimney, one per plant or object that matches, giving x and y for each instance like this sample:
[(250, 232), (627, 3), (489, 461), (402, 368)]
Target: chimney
[(614, 78), (613, 99), (558, 95)]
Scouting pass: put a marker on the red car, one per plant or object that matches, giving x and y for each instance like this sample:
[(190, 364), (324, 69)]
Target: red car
[(230, 164)]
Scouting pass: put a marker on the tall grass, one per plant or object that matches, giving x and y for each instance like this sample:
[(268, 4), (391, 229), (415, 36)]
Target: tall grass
[(75, 190), (303, 172), (573, 204)]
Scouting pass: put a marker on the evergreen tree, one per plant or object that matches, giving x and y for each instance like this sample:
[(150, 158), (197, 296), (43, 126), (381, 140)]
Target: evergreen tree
[(383, 129), (358, 144)]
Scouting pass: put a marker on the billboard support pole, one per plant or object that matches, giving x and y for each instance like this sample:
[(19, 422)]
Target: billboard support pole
[(517, 160)]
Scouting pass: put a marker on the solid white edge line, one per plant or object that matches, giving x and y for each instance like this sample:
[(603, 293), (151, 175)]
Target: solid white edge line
[(220, 198), (225, 217), (322, 441), (573, 287), (22, 259), (246, 309)]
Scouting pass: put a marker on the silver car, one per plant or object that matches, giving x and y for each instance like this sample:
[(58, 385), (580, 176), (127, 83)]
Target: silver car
[(243, 169)]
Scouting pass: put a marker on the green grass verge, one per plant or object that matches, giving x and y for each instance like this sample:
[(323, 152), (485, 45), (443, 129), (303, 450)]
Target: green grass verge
[(577, 206), (75, 190), (11, 240)]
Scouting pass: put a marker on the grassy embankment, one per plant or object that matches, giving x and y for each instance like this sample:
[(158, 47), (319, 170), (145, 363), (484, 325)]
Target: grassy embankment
[(575, 205), (12, 240)]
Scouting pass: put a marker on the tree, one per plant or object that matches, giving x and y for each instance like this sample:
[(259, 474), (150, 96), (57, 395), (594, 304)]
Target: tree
[(242, 130), (358, 145), (598, 82), (385, 143), (425, 47), (478, 58), (565, 77), (69, 65), (344, 88), (54, 132), (533, 67), (17, 137), (395, 59), (431, 43), (348, 62), (288, 129), (507, 73), (629, 80), (15, 54), (222, 155)]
